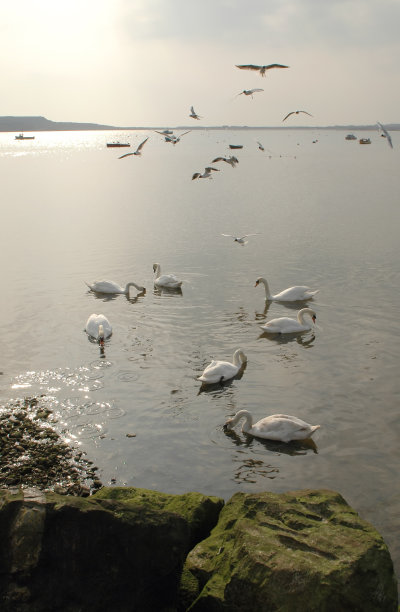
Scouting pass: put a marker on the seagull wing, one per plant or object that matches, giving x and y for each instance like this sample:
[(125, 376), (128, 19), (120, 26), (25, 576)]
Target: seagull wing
[(142, 144), (253, 90), (386, 133), (275, 66), (192, 110), (305, 112), (126, 155), (209, 168), (288, 115), (180, 135), (196, 175), (228, 235), (217, 159), (248, 67)]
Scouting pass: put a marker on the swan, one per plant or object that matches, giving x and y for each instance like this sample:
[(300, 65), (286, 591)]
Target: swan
[(218, 371), (98, 327), (168, 281), (106, 286), (292, 294), (280, 427), (286, 325)]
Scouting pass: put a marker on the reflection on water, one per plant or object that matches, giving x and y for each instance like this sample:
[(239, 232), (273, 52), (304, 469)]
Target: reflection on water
[(328, 218)]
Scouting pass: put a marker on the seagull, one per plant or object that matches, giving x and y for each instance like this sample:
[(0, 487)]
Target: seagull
[(206, 173), (240, 240), (385, 134), (138, 150), (295, 113), (193, 114), (232, 160), (248, 92), (174, 139), (262, 69), (260, 146)]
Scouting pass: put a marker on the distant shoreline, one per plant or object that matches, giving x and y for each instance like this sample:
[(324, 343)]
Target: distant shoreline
[(41, 124)]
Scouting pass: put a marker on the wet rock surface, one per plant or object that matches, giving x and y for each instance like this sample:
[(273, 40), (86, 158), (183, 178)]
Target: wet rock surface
[(33, 454)]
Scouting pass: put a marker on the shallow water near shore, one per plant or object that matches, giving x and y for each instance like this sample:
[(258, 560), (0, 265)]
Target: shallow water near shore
[(326, 214)]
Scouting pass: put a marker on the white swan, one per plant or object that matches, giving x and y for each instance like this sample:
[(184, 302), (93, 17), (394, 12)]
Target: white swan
[(286, 325), (218, 371), (98, 327), (168, 281), (280, 427), (106, 286), (292, 294)]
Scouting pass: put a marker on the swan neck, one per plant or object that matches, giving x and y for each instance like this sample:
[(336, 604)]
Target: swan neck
[(266, 287), (157, 269), (248, 423), (302, 312), (239, 357), (132, 285)]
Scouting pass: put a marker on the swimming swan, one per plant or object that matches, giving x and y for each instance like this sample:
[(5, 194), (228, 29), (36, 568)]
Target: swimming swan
[(292, 294), (218, 371), (98, 327), (280, 427), (106, 286), (168, 281), (286, 325)]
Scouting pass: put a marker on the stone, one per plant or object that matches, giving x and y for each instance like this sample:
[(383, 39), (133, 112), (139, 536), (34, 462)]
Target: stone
[(303, 551)]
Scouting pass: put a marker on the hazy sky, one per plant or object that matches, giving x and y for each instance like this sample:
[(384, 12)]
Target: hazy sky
[(145, 62)]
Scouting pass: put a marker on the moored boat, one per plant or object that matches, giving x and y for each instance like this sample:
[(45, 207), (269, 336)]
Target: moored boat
[(236, 146), (350, 137), (22, 137), (118, 144), (365, 141)]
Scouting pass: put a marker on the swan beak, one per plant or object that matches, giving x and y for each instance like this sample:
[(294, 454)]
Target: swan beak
[(314, 318), (257, 283)]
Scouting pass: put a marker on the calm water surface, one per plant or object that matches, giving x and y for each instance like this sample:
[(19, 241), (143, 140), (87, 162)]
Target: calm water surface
[(327, 214)]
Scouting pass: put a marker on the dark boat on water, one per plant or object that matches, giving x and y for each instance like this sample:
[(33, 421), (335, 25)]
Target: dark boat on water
[(118, 144), (22, 137), (236, 146)]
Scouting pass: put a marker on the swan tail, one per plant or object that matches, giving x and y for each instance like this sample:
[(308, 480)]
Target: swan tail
[(314, 428), (90, 287), (312, 293)]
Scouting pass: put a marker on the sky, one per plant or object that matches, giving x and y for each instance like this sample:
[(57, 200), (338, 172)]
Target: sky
[(146, 62)]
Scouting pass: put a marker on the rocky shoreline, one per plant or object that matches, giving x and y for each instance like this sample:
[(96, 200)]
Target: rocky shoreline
[(71, 545)]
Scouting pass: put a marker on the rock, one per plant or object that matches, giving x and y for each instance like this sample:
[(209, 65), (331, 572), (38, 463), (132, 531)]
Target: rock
[(303, 551), (118, 550), (200, 511)]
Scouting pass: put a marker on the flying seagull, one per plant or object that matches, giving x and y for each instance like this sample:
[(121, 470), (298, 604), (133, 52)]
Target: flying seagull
[(248, 92), (385, 134), (295, 113), (232, 160), (240, 240), (138, 150), (262, 69), (193, 114), (206, 173)]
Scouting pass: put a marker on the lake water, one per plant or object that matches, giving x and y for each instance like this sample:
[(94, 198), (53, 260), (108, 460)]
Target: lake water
[(327, 215)]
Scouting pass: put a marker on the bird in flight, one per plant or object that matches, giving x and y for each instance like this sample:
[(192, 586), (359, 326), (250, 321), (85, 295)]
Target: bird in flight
[(262, 69), (232, 160), (206, 173), (172, 138), (193, 114), (138, 150), (260, 146), (385, 134), (240, 240), (295, 113), (248, 92)]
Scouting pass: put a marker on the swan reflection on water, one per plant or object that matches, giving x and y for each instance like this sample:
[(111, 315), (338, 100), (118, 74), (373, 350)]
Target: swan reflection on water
[(293, 448), (306, 341)]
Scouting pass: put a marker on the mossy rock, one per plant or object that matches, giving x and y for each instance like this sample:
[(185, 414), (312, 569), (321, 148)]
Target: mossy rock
[(303, 550), (200, 511)]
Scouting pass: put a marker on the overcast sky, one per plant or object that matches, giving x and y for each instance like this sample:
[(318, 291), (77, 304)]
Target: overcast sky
[(145, 62)]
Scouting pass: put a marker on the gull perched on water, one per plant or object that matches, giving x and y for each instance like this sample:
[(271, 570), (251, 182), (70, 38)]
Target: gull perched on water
[(240, 240), (232, 160), (206, 173), (249, 92), (296, 113), (193, 114), (261, 69), (385, 134), (138, 150)]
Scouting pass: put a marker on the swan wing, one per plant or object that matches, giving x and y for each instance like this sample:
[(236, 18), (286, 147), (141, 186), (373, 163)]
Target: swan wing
[(168, 280), (282, 325), (93, 323), (282, 427), (292, 294), (218, 370), (105, 286)]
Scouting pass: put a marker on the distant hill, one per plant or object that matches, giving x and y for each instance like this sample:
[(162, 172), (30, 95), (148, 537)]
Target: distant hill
[(41, 124)]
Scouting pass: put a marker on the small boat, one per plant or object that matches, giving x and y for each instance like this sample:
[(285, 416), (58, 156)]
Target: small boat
[(365, 141), (22, 137), (236, 146), (118, 144), (351, 137)]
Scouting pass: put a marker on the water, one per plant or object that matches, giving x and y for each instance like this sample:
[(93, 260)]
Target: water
[(327, 214)]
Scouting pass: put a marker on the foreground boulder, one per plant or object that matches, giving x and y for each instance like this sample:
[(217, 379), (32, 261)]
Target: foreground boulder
[(301, 551), (65, 553)]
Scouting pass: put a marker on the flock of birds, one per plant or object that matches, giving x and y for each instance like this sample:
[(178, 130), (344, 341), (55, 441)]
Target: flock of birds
[(281, 427)]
